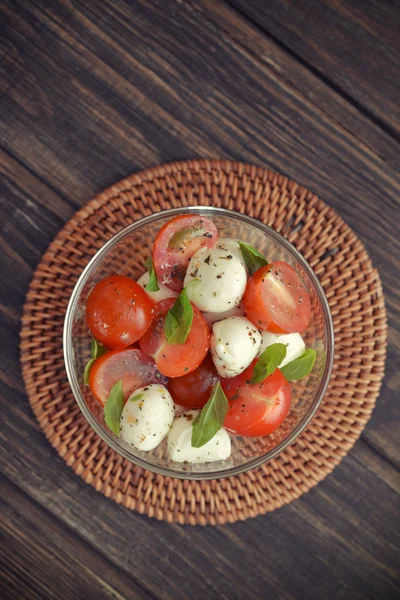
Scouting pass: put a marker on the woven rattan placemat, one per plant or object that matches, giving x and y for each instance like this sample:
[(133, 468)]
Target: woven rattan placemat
[(354, 293)]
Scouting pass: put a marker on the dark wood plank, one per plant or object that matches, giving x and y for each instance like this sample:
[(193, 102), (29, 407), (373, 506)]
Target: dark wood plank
[(145, 95), (175, 119), (42, 558), (338, 540), (14, 172), (26, 225), (352, 45), (382, 431), (299, 81), (94, 91)]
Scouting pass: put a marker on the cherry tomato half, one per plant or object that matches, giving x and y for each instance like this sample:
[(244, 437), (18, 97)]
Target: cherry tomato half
[(132, 365), (118, 311), (175, 244), (257, 409), (175, 360), (193, 390), (276, 299)]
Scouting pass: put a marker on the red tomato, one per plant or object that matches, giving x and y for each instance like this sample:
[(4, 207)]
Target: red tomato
[(118, 311), (175, 360), (133, 366), (193, 390), (175, 244), (257, 409), (276, 299)]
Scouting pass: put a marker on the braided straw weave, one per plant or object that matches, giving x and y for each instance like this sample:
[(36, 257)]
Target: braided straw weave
[(352, 287)]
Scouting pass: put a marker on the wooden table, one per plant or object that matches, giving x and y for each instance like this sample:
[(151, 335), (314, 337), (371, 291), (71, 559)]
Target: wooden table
[(96, 90)]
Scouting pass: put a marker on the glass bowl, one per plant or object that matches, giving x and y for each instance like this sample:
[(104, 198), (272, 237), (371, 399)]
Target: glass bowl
[(125, 254)]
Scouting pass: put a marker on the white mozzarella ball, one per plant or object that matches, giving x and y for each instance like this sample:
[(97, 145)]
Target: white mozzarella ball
[(180, 447), (295, 344), (163, 293), (221, 280), (147, 417), (211, 317), (235, 343), (232, 246)]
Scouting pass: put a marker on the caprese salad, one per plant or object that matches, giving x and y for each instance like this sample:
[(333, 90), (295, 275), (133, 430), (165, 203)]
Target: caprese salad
[(203, 346)]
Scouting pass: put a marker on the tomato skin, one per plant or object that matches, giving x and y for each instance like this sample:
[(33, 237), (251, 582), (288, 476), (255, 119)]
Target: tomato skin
[(276, 299), (175, 360), (256, 409), (118, 311), (132, 365), (175, 244), (193, 389)]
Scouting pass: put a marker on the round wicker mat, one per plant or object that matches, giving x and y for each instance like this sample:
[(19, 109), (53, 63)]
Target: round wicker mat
[(354, 293)]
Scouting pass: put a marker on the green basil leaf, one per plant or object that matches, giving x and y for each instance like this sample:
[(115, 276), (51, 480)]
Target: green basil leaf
[(87, 370), (96, 350), (113, 407), (179, 319), (136, 398), (253, 259), (300, 367), (152, 285), (269, 360), (211, 418)]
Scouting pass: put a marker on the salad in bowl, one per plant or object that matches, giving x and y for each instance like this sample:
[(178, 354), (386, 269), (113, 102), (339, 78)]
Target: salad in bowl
[(198, 342)]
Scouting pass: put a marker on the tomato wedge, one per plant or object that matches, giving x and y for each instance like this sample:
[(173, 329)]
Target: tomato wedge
[(193, 390), (276, 299), (258, 409), (118, 311), (175, 244), (132, 365), (175, 360)]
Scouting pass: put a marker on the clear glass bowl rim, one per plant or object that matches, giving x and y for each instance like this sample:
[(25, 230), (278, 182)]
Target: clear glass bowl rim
[(74, 383)]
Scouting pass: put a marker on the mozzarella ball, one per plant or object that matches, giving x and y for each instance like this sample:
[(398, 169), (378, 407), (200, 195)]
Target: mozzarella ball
[(235, 343), (163, 293), (180, 447), (147, 417), (221, 280), (211, 317), (232, 246), (295, 344)]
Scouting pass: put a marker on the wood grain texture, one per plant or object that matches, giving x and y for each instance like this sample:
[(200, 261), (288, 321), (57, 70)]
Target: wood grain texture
[(338, 538), (92, 91), (29, 570), (352, 45)]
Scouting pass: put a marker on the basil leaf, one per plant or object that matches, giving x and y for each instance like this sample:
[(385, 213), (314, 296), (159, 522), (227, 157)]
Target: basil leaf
[(179, 319), (211, 418), (269, 360), (300, 367), (136, 398), (96, 350), (152, 285), (113, 407), (253, 259), (87, 370)]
